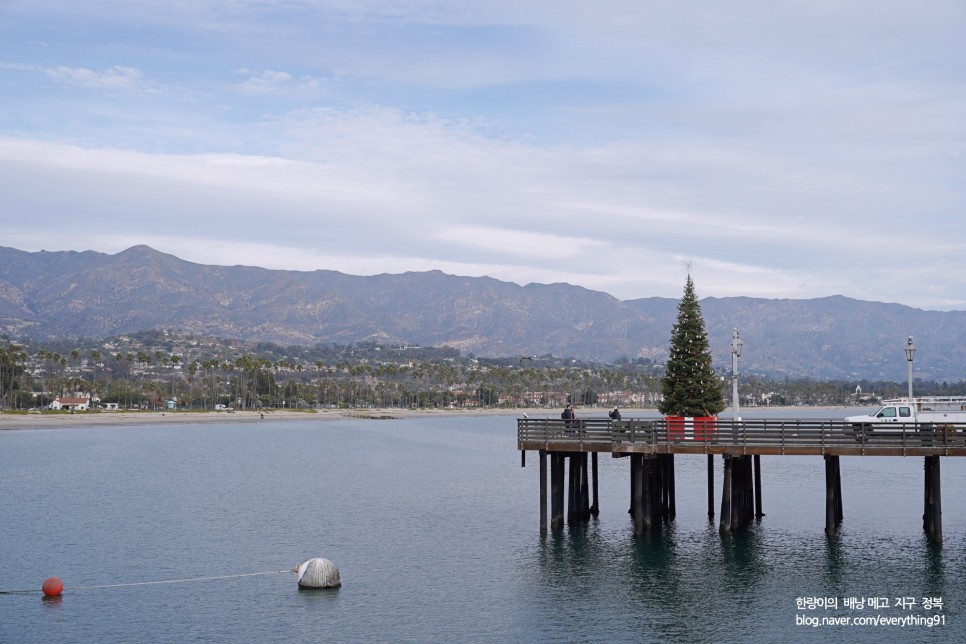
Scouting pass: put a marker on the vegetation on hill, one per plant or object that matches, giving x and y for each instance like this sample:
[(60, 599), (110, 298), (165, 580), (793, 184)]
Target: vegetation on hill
[(150, 368)]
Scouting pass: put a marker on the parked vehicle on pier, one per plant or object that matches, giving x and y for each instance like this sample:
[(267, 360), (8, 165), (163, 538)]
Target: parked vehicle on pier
[(904, 415)]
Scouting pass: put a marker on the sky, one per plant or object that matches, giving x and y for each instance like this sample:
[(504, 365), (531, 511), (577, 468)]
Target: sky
[(774, 148)]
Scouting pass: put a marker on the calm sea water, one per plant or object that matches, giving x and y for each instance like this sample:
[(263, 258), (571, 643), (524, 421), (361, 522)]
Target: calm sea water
[(435, 529)]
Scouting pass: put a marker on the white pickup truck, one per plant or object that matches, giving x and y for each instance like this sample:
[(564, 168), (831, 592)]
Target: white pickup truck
[(911, 414)]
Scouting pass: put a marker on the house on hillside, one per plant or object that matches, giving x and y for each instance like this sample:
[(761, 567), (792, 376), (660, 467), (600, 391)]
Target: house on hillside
[(73, 403)]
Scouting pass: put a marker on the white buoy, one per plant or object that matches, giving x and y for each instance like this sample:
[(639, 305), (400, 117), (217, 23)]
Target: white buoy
[(318, 573)]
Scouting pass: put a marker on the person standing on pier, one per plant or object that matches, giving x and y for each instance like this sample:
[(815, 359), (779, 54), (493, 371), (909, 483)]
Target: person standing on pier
[(570, 417), (615, 415), (568, 413)]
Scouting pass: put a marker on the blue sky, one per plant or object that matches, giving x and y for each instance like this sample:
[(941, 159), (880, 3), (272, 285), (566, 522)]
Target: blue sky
[(786, 148)]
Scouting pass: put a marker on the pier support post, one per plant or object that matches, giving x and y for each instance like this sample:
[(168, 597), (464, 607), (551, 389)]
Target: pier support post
[(724, 525), (647, 494), (758, 508), (937, 503), (595, 508), (570, 488), (557, 490), (833, 495), (637, 490), (575, 488), (741, 492), (839, 515), (672, 509), (543, 492), (736, 494), (933, 514), (710, 487), (747, 491)]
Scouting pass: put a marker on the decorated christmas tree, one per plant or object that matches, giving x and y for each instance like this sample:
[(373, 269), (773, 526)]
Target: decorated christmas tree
[(690, 386)]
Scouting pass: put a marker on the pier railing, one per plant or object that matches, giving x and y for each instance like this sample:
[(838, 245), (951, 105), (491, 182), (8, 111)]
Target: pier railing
[(726, 436)]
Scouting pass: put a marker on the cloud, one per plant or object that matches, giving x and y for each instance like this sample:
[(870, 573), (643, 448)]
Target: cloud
[(276, 82), (116, 78)]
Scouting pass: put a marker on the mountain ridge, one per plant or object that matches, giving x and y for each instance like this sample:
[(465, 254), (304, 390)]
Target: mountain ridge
[(91, 294)]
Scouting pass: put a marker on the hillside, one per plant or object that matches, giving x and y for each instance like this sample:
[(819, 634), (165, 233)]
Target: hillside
[(96, 295)]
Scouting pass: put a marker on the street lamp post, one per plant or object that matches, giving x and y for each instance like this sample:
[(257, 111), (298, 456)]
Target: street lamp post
[(736, 345), (910, 354)]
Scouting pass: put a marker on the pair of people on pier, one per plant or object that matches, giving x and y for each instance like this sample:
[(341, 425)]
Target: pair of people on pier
[(569, 414)]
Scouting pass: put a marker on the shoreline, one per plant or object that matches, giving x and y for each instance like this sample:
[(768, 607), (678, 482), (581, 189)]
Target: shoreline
[(47, 420)]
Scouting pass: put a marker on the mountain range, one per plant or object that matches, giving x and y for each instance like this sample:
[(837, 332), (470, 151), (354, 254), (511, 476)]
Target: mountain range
[(94, 295)]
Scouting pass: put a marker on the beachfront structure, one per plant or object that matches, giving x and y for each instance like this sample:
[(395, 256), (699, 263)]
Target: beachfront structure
[(71, 403)]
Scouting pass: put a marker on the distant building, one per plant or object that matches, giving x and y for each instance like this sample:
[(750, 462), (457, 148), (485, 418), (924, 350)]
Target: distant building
[(860, 396), (73, 403)]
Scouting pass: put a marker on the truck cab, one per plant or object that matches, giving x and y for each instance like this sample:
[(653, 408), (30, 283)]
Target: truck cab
[(895, 414), (889, 419)]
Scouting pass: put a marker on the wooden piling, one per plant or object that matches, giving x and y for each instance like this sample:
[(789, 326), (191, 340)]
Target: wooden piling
[(758, 507), (747, 492), (933, 522), (738, 497), (937, 502), (573, 479), (647, 493), (595, 507), (673, 510), (557, 490), (833, 493), (724, 524), (543, 492), (741, 492), (637, 490), (839, 515), (710, 487)]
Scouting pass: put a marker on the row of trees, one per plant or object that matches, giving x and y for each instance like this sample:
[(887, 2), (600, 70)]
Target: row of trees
[(250, 381)]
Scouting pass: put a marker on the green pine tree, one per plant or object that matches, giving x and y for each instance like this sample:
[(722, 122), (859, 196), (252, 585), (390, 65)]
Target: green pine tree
[(690, 386)]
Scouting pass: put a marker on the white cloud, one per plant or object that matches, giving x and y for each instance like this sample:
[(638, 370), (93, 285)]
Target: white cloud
[(116, 78), (269, 82)]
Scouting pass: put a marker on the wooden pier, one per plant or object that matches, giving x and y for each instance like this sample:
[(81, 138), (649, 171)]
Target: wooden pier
[(650, 446)]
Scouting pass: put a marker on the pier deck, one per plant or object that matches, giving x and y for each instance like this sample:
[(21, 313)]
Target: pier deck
[(738, 437)]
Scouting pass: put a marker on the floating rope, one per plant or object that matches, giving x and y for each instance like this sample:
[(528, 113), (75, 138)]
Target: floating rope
[(151, 583)]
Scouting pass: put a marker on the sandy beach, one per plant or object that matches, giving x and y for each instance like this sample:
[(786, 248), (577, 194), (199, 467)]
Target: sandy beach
[(48, 420)]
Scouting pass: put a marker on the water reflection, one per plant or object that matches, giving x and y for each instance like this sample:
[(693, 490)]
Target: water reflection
[(834, 561), (657, 585), (934, 581), (52, 602)]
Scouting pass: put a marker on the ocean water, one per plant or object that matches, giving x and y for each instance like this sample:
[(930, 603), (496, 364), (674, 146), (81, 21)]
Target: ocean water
[(435, 529)]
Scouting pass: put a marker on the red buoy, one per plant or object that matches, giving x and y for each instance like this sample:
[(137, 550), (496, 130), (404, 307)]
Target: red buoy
[(52, 587)]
